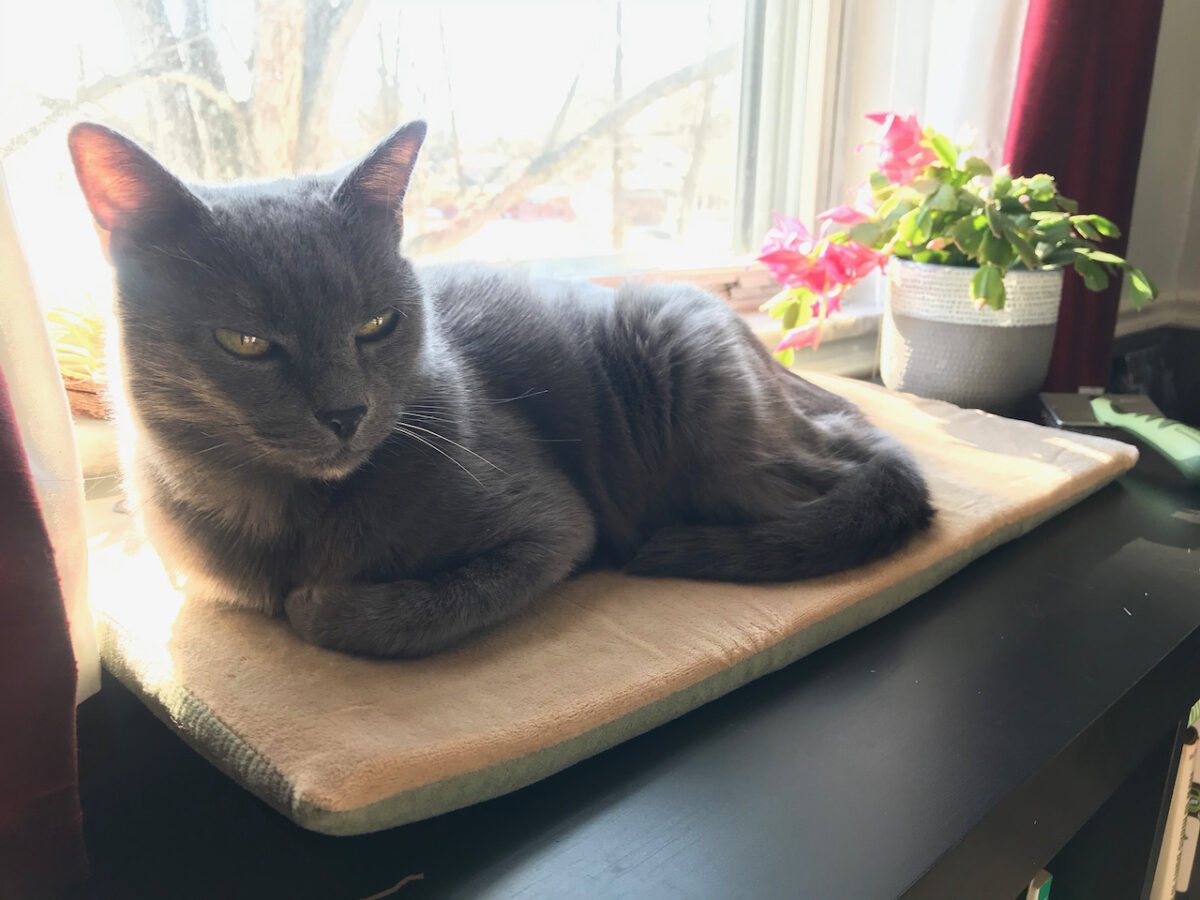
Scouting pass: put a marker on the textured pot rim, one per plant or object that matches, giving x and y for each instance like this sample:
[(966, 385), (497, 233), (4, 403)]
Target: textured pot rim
[(937, 292), (1008, 273)]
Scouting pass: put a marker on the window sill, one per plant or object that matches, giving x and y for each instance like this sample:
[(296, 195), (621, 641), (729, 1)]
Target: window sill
[(96, 444), (741, 282)]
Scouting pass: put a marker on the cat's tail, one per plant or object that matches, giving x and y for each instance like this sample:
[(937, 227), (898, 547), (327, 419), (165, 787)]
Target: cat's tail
[(880, 503)]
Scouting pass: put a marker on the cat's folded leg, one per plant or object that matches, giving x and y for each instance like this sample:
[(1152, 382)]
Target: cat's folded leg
[(418, 617)]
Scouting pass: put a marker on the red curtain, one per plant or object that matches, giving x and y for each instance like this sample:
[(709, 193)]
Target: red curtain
[(1079, 113), (41, 837)]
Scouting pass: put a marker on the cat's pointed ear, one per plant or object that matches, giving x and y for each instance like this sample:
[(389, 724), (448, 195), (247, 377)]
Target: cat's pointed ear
[(127, 190), (376, 185)]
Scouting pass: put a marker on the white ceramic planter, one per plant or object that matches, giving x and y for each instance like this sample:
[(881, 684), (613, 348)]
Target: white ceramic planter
[(935, 343)]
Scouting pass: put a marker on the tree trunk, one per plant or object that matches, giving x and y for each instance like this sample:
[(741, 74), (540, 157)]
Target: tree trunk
[(224, 154), (327, 35), (168, 106), (691, 181), (278, 83), (618, 186)]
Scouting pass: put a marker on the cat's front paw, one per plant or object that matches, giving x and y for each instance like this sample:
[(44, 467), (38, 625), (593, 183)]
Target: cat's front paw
[(397, 619), (318, 614)]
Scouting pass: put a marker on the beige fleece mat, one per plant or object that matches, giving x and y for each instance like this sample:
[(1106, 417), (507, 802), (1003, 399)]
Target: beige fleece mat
[(346, 745)]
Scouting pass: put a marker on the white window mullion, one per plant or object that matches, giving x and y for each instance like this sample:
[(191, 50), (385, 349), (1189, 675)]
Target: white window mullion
[(789, 98)]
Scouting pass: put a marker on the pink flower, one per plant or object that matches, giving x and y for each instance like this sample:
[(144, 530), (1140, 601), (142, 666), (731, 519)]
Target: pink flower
[(833, 303), (848, 263), (801, 337), (901, 154), (825, 267), (844, 215), (788, 252)]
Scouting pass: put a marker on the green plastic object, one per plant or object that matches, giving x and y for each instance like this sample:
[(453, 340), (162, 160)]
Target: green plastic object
[(1179, 443)]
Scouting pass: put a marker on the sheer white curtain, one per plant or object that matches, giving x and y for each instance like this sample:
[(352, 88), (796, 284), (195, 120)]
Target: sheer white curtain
[(40, 404), (952, 62)]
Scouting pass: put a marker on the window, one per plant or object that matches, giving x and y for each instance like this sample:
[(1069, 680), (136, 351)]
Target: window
[(593, 136)]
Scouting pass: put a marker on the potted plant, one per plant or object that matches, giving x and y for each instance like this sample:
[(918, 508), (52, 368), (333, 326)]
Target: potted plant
[(78, 336), (974, 259)]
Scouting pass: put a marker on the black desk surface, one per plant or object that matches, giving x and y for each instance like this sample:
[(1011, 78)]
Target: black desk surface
[(948, 750)]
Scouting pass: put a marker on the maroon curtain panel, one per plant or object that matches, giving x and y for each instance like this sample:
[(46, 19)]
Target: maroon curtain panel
[(1079, 114), (41, 837)]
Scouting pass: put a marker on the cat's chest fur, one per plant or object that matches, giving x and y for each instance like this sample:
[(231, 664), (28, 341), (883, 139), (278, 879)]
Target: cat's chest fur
[(247, 541)]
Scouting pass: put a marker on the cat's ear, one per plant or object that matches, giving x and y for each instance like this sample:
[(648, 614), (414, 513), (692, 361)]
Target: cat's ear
[(376, 185), (127, 190)]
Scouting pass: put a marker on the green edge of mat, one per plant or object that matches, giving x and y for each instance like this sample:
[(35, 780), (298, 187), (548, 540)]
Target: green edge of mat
[(213, 739)]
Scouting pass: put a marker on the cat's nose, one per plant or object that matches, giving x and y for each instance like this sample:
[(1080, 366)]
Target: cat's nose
[(342, 422)]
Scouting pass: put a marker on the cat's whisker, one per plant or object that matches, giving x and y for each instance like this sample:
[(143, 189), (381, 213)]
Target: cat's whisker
[(532, 392), (254, 459), (404, 430), (427, 418), (529, 393), (456, 444)]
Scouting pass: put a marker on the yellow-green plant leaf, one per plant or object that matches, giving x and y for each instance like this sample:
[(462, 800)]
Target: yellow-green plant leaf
[(1094, 277), (1141, 288), (976, 166), (987, 285), (944, 150)]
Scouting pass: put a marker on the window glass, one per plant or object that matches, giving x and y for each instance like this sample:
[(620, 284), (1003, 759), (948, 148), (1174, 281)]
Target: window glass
[(598, 133)]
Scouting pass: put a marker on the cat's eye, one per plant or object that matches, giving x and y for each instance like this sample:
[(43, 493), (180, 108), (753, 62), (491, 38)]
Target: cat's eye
[(377, 327), (245, 345)]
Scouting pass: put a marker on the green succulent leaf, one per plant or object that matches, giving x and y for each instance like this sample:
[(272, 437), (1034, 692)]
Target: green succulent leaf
[(944, 198), (1141, 289), (1040, 187), (787, 357), (916, 226), (976, 166), (878, 181), (997, 251), (894, 209), (992, 212), (866, 233), (1084, 227), (1059, 256), (1052, 234), (1067, 204), (1001, 185), (967, 233), (944, 149), (791, 315), (1094, 277), (1102, 256), (987, 285), (931, 256), (1105, 226), (1024, 250)]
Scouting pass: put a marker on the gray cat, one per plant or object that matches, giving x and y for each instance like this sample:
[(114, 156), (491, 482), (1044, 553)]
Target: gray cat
[(396, 460)]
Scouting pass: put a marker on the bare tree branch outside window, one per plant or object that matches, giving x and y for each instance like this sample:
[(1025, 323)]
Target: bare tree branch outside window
[(224, 91)]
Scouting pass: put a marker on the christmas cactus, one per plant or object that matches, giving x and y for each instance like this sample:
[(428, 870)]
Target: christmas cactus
[(931, 201)]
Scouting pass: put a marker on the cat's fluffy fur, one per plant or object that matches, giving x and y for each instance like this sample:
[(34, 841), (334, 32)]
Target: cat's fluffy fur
[(514, 429)]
